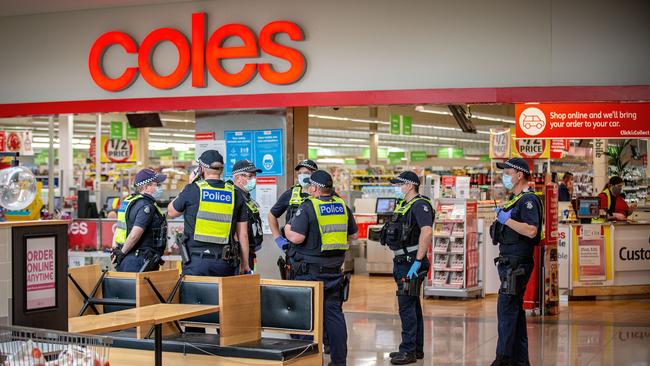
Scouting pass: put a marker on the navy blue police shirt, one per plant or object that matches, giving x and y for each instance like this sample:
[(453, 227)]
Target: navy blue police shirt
[(422, 212), (282, 204), (143, 214), (188, 202), (304, 222), (563, 193), (527, 210)]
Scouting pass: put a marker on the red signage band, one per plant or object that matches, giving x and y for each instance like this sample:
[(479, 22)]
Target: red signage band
[(204, 136), (198, 54), (586, 121)]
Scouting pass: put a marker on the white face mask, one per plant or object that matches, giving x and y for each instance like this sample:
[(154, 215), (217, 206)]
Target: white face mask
[(301, 179)]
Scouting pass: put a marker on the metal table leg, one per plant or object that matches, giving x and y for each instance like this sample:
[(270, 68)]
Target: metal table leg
[(158, 345)]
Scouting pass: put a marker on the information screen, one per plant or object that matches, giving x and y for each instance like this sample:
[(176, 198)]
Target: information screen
[(588, 207), (385, 205)]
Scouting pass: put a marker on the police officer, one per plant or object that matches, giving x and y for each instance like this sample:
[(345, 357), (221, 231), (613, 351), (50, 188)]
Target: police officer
[(141, 235), (517, 230), (409, 235), (245, 179), (290, 200), (319, 233), (213, 212)]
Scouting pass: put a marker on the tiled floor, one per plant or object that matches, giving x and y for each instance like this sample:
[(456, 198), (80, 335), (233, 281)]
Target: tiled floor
[(612, 332)]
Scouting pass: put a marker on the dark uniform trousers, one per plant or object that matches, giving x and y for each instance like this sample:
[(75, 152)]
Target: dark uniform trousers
[(208, 264), (513, 337), (130, 263), (410, 311), (334, 326)]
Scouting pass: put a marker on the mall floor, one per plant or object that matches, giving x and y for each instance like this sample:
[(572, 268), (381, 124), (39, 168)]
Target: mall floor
[(464, 332)]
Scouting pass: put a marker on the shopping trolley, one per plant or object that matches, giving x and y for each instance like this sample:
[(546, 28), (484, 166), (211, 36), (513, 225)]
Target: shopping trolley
[(22, 346)]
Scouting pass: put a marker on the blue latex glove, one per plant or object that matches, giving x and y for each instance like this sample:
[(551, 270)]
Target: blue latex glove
[(413, 272), (503, 216), (281, 242)]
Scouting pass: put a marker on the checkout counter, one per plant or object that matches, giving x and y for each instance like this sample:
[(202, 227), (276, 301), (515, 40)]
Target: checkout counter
[(603, 259), (370, 214)]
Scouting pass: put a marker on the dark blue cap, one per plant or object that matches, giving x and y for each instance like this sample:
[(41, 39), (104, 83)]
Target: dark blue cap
[(406, 177), (309, 164), (245, 166), (209, 157), (517, 164), (146, 176), (320, 178)]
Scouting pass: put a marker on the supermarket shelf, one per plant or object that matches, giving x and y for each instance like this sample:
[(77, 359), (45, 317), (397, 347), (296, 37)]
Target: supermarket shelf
[(370, 184), (454, 221), (448, 236), (448, 269)]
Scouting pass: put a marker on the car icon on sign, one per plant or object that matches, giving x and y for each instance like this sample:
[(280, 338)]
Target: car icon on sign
[(531, 121)]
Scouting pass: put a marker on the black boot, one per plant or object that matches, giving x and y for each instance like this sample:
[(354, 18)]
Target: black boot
[(403, 359), (502, 361), (419, 355), (326, 349)]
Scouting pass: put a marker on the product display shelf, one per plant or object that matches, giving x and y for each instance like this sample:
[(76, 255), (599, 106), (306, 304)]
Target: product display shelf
[(454, 255)]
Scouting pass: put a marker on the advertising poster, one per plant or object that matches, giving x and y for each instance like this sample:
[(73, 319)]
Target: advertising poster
[(107, 231), (239, 146), (269, 153), (82, 235), (40, 272), (3, 140), (564, 236), (592, 257), (202, 145), (117, 150), (266, 194), (585, 120), (500, 143)]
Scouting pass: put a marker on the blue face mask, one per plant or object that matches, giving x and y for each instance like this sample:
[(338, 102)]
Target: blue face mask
[(250, 185), (157, 193), (507, 181), (398, 193)]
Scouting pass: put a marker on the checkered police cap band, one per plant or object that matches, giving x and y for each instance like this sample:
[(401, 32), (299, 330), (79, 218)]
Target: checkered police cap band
[(242, 170), (307, 164), (516, 167), (202, 164), (146, 181), (406, 181), (321, 185)]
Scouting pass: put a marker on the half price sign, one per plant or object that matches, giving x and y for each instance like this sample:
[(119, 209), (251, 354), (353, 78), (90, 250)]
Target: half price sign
[(587, 121)]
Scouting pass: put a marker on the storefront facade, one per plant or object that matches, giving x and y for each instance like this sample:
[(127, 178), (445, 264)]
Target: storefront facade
[(354, 54)]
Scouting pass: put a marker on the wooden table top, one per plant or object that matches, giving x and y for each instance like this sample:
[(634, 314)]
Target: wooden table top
[(144, 315)]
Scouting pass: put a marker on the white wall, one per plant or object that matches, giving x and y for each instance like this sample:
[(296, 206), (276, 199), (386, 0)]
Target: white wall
[(350, 45)]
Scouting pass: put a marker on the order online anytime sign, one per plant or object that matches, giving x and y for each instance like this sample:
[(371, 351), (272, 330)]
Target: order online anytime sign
[(595, 120)]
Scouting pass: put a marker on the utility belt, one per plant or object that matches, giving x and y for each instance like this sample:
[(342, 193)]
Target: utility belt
[(404, 252), (230, 253), (514, 271), (303, 268)]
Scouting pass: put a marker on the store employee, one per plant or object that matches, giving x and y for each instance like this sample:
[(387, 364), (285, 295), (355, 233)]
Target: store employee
[(213, 212), (245, 178), (517, 230), (319, 233), (290, 200), (141, 235), (612, 202), (409, 235)]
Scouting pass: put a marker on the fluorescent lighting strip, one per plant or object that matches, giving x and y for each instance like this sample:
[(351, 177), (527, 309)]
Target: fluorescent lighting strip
[(483, 116)]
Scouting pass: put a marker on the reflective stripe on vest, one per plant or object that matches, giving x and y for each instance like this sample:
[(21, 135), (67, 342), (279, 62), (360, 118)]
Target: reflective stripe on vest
[(121, 230), (252, 205), (296, 199), (610, 210), (332, 218), (508, 205), (214, 218)]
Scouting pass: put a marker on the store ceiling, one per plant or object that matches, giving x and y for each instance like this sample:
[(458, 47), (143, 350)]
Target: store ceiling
[(26, 7)]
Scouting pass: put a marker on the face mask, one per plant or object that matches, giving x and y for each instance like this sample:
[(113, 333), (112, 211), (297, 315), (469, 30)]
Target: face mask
[(398, 193), (157, 193), (617, 190), (301, 179), (507, 181), (250, 185)]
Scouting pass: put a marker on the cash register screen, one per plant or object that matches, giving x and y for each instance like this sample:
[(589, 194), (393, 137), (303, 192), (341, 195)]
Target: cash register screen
[(588, 207), (385, 205)]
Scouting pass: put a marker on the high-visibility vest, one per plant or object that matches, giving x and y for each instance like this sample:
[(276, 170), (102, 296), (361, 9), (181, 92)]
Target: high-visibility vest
[(403, 210), (332, 218), (510, 204), (122, 212), (216, 209)]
